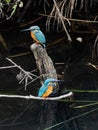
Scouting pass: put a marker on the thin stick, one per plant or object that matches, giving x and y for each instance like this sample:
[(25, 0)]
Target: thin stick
[(87, 105), (60, 15), (18, 55), (27, 107), (74, 20), (83, 91), (8, 67), (19, 67), (33, 80), (37, 98), (72, 118), (33, 21), (59, 63)]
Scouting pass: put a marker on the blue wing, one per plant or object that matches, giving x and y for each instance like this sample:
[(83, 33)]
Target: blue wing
[(42, 90), (44, 87), (40, 36)]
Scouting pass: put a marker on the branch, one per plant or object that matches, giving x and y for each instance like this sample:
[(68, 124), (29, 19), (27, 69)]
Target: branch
[(71, 19), (37, 98), (60, 15), (8, 67), (19, 67), (23, 75)]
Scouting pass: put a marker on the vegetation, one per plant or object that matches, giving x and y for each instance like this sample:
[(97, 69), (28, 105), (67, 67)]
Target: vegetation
[(71, 28)]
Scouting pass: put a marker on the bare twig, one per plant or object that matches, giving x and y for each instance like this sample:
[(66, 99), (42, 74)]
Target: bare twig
[(94, 53), (23, 75), (8, 67), (72, 19), (37, 98), (19, 67), (60, 15)]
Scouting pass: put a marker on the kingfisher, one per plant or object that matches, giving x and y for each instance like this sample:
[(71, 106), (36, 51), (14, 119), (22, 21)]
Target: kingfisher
[(47, 88), (37, 35)]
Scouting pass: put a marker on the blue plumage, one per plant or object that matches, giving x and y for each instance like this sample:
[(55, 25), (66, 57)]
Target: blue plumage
[(44, 87), (37, 35)]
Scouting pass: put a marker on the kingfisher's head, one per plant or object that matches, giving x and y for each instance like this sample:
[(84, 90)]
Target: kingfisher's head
[(51, 80), (32, 28)]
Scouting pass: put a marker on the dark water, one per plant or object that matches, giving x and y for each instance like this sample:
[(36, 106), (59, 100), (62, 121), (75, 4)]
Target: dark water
[(22, 114)]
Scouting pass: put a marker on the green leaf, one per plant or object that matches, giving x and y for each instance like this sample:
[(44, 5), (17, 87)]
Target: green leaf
[(8, 1)]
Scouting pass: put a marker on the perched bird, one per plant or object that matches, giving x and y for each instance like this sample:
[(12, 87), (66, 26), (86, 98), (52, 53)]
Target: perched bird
[(37, 35), (47, 88)]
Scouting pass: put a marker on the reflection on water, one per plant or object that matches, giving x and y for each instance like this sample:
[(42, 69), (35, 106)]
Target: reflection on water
[(21, 114)]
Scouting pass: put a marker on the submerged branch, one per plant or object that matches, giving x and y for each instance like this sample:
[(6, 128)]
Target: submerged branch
[(72, 118)]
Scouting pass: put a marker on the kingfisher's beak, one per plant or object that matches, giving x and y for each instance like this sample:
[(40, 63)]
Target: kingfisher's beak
[(58, 81), (25, 30)]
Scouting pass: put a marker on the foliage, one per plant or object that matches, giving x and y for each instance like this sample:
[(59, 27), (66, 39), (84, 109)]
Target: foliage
[(8, 8), (8, 1)]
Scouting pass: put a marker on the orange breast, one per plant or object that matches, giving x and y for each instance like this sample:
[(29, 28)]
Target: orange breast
[(34, 38), (48, 92)]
